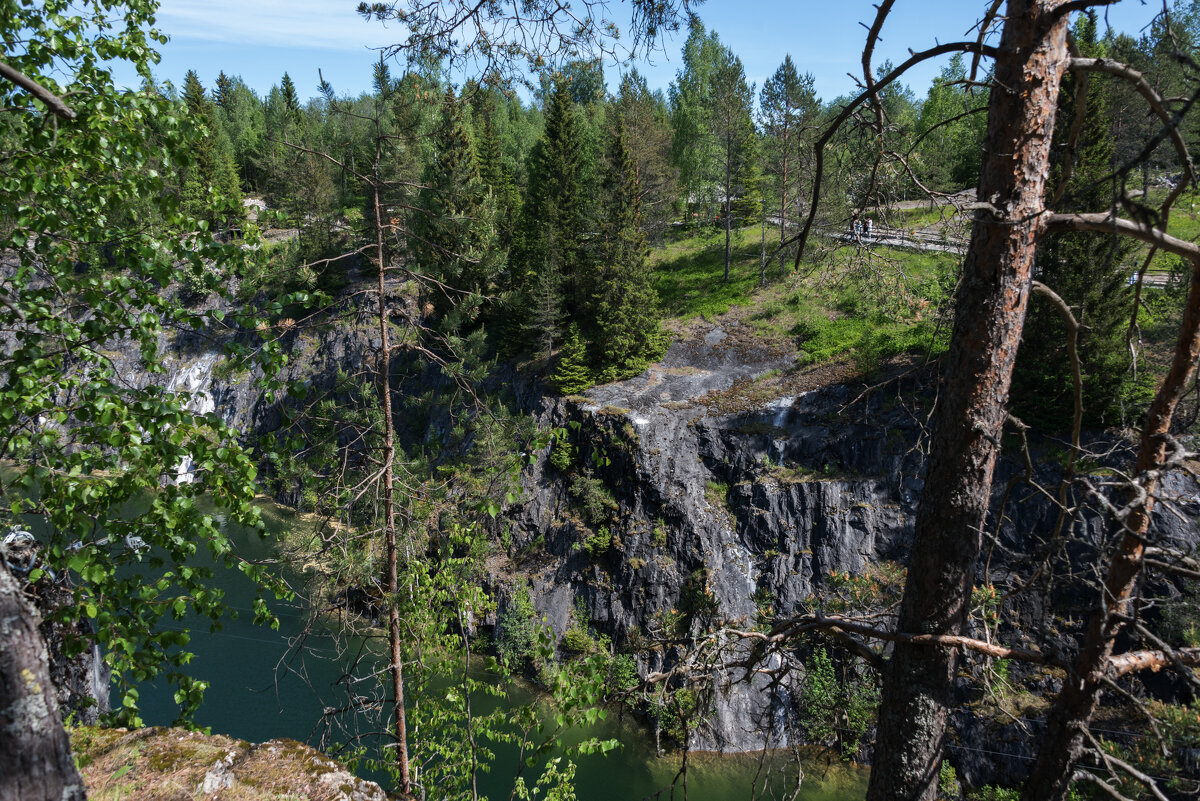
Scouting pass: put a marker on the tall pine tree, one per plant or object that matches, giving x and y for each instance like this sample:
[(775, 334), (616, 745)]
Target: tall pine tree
[(548, 254), (648, 136), (624, 316)]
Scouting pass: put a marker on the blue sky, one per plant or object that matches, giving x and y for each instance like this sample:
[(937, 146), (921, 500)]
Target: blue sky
[(261, 39)]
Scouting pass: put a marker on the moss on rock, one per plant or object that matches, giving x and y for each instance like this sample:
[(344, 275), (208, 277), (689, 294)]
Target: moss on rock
[(159, 764)]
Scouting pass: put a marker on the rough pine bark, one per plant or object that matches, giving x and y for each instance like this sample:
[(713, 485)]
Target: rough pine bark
[(35, 752), (990, 312)]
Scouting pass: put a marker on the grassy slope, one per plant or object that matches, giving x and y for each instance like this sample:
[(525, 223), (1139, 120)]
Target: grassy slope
[(869, 304)]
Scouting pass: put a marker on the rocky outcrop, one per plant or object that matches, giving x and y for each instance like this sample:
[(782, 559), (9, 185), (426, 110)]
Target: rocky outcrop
[(712, 514), (719, 485), (156, 764), (76, 667), (695, 493)]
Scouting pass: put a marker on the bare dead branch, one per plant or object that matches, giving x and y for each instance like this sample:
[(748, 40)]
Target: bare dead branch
[(1177, 570), (1155, 660), (1079, 5), (985, 26), (1138, 704), (1108, 789), (849, 109), (882, 11), (1109, 223)]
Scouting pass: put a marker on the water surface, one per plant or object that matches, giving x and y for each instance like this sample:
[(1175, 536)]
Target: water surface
[(261, 687)]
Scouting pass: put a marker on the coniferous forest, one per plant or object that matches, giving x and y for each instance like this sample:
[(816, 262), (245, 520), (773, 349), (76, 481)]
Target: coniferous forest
[(568, 436)]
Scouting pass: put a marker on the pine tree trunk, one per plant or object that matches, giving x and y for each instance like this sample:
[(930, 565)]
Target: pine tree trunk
[(762, 256), (1063, 743), (990, 312), (35, 752), (783, 205)]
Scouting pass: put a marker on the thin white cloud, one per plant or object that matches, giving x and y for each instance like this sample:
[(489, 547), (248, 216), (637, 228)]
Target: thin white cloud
[(324, 24)]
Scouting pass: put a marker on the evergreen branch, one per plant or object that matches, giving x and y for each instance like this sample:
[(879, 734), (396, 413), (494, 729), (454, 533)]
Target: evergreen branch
[(1111, 762), (1152, 98)]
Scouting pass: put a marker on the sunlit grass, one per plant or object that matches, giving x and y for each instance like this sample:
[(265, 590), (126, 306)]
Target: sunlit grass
[(867, 308), (921, 217), (689, 273)]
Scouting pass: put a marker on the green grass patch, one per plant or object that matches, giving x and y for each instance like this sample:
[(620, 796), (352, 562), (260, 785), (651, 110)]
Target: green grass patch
[(717, 494), (689, 272), (869, 323), (870, 310), (919, 218)]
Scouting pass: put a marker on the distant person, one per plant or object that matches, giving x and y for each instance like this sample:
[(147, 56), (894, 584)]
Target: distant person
[(870, 224)]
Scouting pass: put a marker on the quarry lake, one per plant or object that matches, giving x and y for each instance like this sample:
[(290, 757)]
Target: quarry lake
[(261, 687)]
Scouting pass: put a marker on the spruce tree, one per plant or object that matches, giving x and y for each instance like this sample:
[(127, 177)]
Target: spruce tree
[(212, 171), (624, 316), (542, 314), (291, 101), (223, 92), (453, 237), (572, 374), (497, 178), (1088, 272), (548, 258)]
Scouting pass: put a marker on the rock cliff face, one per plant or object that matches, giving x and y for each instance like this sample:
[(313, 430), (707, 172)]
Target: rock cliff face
[(740, 500), (718, 485), (721, 510)]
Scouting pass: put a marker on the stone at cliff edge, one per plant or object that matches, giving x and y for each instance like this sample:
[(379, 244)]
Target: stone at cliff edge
[(156, 764)]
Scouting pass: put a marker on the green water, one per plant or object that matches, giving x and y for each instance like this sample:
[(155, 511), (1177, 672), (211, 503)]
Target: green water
[(262, 688)]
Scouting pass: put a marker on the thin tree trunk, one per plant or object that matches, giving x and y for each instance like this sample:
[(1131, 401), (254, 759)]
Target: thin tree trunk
[(35, 752), (990, 312), (728, 200), (762, 256), (389, 506), (783, 204), (1065, 739)]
